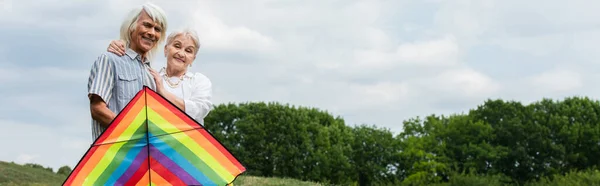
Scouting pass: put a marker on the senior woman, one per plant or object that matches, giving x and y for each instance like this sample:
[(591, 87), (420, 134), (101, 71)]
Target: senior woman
[(189, 91)]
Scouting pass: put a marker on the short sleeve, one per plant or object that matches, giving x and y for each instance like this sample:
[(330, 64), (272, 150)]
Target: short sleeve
[(101, 80)]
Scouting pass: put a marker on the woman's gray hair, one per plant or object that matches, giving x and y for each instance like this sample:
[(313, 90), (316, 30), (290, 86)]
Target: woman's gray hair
[(156, 13), (185, 33)]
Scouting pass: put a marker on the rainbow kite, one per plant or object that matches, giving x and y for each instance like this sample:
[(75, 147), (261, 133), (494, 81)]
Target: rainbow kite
[(152, 142)]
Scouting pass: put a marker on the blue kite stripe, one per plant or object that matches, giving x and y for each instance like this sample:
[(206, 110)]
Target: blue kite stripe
[(172, 166), (133, 160), (171, 154)]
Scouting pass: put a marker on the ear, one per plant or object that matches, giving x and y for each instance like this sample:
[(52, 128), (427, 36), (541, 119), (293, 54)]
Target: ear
[(165, 50)]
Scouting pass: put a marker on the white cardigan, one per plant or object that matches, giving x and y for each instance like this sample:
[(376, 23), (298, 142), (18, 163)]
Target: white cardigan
[(196, 92)]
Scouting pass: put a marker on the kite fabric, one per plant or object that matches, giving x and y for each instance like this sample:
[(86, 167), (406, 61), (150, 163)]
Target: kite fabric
[(152, 142)]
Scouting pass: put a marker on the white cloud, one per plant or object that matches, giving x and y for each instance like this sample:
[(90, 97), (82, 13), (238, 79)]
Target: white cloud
[(582, 47), (45, 94), (539, 45), (42, 144), (437, 53), (6, 6), (26, 158), (66, 110), (377, 38), (57, 74), (216, 34), (466, 19), (7, 75), (557, 80), (10, 75), (460, 82), (381, 94), (443, 51)]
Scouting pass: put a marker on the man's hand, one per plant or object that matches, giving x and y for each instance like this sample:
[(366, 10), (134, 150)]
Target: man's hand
[(100, 111)]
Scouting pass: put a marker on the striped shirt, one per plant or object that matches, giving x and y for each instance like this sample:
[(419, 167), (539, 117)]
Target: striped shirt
[(116, 79)]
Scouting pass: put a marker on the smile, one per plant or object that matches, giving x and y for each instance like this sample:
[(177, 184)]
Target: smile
[(147, 39)]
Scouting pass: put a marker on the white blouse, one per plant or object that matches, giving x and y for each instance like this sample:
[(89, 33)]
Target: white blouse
[(196, 91)]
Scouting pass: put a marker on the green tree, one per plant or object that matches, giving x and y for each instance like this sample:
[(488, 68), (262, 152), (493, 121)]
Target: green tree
[(498, 142), (421, 160), (466, 144), (374, 155), (38, 166), (272, 139), (64, 170)]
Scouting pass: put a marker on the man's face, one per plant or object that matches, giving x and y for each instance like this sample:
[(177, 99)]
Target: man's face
[(146, 34)]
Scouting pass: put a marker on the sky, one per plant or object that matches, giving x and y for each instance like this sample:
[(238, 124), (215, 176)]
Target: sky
[(376, 62)]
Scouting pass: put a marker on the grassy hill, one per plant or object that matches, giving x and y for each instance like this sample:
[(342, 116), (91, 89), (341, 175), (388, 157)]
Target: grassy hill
[(16, 174)]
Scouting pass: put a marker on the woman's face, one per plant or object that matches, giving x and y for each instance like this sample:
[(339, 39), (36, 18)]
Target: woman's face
[(180, 53)]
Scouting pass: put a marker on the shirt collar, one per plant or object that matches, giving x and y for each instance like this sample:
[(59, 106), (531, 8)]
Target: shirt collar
[(134, 55)]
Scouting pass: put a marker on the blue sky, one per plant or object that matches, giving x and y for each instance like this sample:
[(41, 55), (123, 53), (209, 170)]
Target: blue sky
[(371, 62)]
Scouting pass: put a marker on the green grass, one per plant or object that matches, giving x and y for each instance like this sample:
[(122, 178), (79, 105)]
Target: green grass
[(15, 174), (252, 180)]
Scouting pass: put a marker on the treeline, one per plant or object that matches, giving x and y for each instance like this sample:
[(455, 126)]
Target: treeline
[(498, 143), (64, 170)]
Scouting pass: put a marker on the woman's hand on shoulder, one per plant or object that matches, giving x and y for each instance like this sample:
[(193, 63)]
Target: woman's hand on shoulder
[(158, 80), (117, 47)]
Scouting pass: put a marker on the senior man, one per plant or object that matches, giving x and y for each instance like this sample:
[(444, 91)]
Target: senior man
[(114, 80)]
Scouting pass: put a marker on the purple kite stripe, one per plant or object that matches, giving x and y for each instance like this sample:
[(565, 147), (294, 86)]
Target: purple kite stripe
[(172, 167), (135, 165)]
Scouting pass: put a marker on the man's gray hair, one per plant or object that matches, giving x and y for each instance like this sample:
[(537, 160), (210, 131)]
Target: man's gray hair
[(156, 14), (185, 33)]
